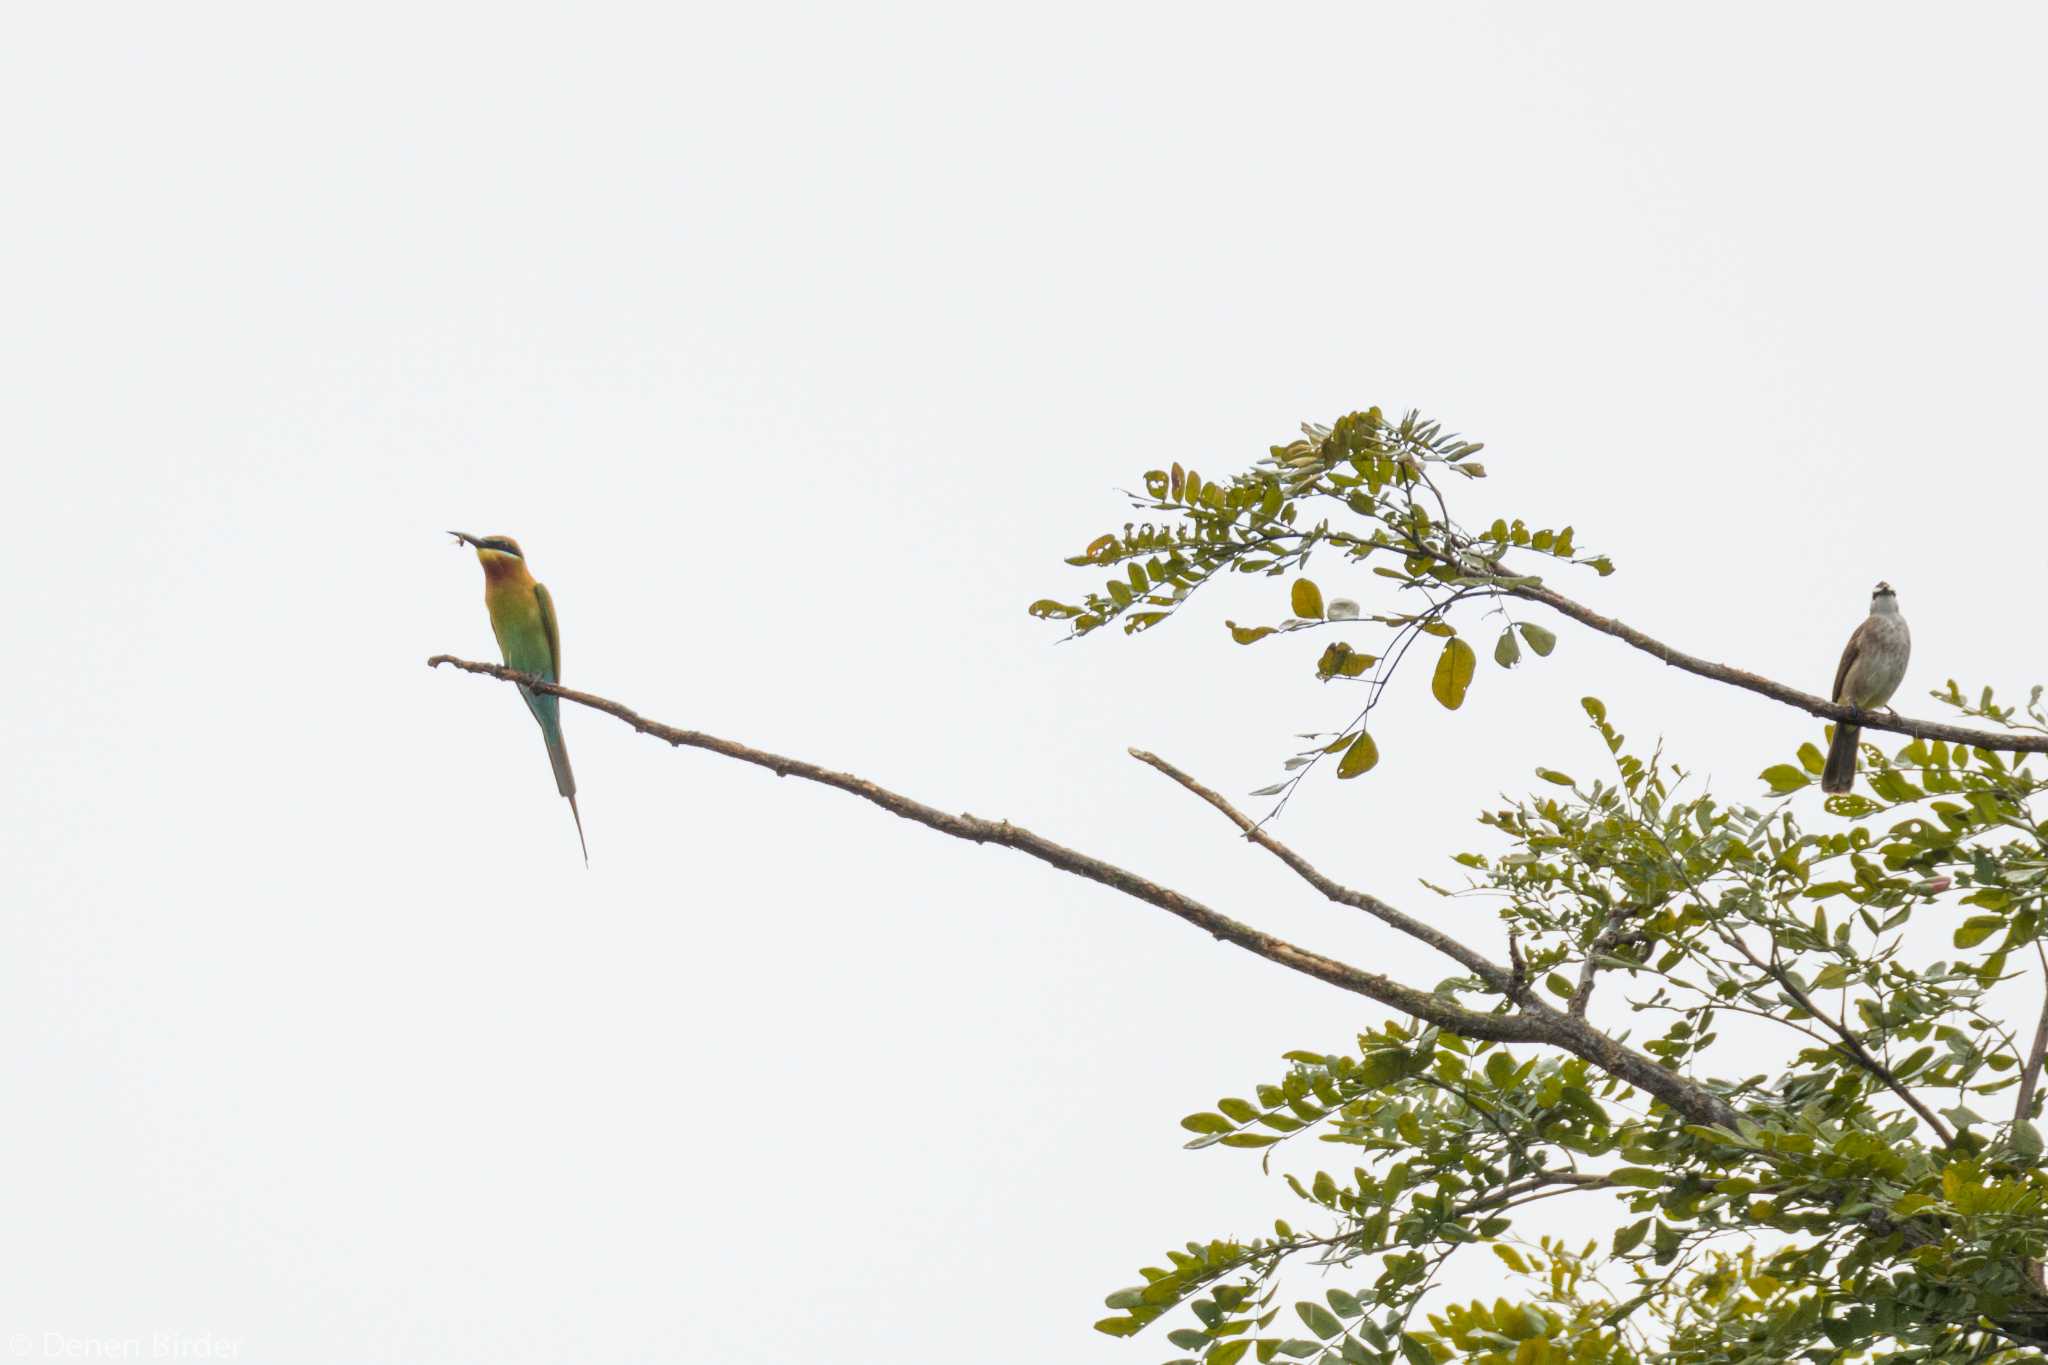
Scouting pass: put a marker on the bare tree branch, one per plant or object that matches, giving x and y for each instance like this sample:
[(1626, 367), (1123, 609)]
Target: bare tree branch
[(1535, 1022), (1423, 1005), (2004, 742), (1487, 970)]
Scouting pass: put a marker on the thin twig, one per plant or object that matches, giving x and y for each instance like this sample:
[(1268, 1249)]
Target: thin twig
[(1850, 1043), (1608, 939), (2030, 1074), (1497, 977)]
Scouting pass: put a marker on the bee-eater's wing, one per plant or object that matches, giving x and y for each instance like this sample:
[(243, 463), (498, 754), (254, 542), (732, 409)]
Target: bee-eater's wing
[(553, 632)]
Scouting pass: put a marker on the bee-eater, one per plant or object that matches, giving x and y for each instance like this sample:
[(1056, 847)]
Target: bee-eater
[(523, 619)]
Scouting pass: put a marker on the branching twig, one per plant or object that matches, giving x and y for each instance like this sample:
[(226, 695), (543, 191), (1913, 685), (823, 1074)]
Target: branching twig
[(1497, 977), (1850, 1044), (1606, 941)]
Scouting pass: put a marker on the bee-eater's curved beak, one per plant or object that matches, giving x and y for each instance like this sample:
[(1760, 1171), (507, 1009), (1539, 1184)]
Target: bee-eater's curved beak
[(466, 538)]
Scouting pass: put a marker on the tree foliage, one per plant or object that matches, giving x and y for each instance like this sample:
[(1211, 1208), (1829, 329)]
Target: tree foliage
[(1872, 1185), (1386, 480)]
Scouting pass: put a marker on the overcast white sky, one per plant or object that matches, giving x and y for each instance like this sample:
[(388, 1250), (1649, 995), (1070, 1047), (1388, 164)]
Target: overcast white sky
[(798, 345)]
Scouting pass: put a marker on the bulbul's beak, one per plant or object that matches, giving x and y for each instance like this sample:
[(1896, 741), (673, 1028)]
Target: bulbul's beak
[(465, 538)]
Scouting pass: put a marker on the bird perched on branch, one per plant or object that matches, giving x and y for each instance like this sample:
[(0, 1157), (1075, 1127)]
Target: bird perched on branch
[(523, 619), (1871, 669)]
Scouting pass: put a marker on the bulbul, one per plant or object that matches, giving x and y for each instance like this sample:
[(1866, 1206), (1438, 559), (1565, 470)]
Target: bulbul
[(1871, 669)]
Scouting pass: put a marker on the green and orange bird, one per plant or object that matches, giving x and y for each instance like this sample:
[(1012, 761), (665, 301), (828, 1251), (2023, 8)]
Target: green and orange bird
[(523, 619)]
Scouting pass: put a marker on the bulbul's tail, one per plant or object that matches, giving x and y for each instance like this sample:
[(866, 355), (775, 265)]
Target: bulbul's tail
[(1840, 773)]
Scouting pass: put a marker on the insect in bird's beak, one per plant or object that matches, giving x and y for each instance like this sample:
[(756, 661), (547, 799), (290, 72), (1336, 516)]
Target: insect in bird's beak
[(463, 538)]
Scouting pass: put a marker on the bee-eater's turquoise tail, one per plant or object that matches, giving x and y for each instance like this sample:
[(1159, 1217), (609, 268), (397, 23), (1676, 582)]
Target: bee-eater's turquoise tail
[(565, 781), (548, 711), (579, 829)]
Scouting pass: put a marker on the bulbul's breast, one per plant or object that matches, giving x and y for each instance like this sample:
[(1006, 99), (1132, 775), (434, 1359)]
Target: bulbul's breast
[(1881, 664)]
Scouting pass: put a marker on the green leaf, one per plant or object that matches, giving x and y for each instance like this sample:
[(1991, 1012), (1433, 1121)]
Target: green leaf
[(1414, 1352), (1206, 1123), (1913, 1063), (1811, 759), (1540, 640), (1629, 1238), (1345, 1304), (1360, 757), (1307, 599), (1454, 668), (1506, 652), (1228, 1352), (1119, 1327), (1341, 660), (1246, 635), (1320, 1320), (1977, 928), (1639, 1177), (2026, 1140), (1383, 1066), (1783, 777)]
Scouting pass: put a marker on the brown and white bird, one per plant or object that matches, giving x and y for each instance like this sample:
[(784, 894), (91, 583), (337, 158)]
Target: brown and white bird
[(1871, 669)]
